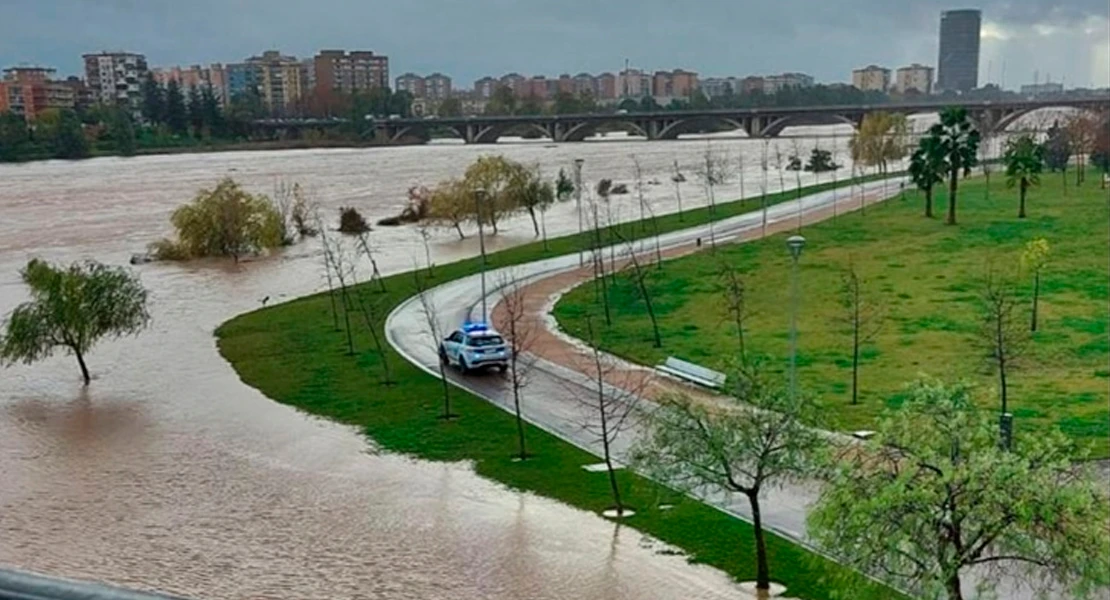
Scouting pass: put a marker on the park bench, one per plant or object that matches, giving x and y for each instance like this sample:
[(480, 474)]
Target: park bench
[(692, 373)]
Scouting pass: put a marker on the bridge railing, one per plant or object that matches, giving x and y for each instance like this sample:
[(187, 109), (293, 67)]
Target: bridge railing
[(17, 585)]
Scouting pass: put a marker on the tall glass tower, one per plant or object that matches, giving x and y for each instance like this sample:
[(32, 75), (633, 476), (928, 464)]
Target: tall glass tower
[(958, 63)]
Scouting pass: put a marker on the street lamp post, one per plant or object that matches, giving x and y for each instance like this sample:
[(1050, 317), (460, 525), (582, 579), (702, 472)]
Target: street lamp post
[(479, 197), (795, 243), (578, 202)]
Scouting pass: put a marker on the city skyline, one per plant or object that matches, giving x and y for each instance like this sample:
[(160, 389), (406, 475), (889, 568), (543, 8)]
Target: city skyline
[(1073, 44)]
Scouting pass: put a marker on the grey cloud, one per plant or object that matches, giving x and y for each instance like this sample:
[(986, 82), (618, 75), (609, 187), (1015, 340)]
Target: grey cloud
[(471, 38)]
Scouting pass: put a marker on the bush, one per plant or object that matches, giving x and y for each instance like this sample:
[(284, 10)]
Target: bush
[(418, 209), (225, 221), (351, 221)]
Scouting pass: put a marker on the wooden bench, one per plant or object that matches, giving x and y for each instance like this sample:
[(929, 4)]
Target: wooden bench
[(692, 373)]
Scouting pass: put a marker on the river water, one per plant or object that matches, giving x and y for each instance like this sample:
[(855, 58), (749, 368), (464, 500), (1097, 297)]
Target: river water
[(169, 473)]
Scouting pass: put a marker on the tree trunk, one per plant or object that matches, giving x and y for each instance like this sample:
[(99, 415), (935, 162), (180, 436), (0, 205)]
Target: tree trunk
[(929, 202), (1064, 172), (446, 391), (543, 228), (519, 419), (1078, 170), (1002, 373), (535, 223), (953, 587), (613, 481), (458, 228), (953, 184), (1036, 297), (763, 573), (84, 367), (651, 312), (855, 350), (1021, 192)]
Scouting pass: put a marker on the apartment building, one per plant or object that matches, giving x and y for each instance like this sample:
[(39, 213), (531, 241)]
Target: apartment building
[(772, 84), (484, 87), (914, 77), (281, 81), (213, 76), (411, 83), (356, 71), (28, 91), (516, 82), (606, 85), (437, 87), (116, 77), (678, 83), (871, 78), (634, 83)]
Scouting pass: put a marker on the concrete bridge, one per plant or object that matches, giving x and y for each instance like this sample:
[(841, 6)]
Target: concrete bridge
[(664, 125)]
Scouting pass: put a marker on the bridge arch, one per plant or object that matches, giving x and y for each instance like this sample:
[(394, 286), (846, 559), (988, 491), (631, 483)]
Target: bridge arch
[(1007, 120), (676, 128), (490, 133), (776, 126), (584, 129)]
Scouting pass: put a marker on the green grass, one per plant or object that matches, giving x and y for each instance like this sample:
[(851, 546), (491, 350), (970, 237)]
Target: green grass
[(926, 277), (293, 354)]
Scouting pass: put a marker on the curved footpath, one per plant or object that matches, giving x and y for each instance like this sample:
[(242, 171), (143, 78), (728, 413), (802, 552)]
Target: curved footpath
[(558, 375)]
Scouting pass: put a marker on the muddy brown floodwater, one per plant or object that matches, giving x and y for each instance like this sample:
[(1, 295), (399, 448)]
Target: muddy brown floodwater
[(169, 473)]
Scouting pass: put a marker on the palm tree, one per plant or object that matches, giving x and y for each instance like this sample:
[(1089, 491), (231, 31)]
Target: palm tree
[(959, 142), (927, 168), (1024, 163)]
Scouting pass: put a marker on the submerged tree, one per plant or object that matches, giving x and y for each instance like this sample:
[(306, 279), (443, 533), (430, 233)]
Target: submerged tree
[(933, 495), (224, 221), (72, 308)]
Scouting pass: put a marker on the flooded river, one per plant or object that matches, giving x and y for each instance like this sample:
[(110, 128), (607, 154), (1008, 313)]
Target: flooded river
[(169, 473)]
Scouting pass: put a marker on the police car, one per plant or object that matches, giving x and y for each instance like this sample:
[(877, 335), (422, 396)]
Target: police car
[(474, 346)]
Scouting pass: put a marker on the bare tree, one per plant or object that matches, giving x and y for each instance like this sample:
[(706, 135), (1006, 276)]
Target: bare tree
[(862, 317), (1082, 131), (339, 266), (601, 286), (762, 442), (798, 182), (764, 165), (432, 329), (836, 187), (1002, 335), (376, 275), (521, 334), (646, 205), (639, 276), (678, 178), (714, 172), (740, 171), (372, 313), (736, 302), (424, 229), (327, 270), (611, 407)]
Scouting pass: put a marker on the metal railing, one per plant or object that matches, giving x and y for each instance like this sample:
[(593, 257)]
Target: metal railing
[(17, 585)]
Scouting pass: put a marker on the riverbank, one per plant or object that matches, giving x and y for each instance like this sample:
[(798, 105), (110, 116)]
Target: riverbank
[(923, 281), (294, 355)]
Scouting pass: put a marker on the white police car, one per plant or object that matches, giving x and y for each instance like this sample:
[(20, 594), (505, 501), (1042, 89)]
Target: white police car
[(474, 346)]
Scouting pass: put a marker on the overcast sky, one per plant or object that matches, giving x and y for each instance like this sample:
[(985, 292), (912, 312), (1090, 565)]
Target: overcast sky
[(466, 39)]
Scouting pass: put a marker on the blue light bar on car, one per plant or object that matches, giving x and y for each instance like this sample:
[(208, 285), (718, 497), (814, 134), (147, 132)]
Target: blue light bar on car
[(472, 327)]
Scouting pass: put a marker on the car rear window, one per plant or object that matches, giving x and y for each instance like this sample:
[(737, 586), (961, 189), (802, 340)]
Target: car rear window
[(486, 340)]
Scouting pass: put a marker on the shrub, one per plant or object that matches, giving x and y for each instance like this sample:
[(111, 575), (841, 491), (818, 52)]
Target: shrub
[(351, 221)]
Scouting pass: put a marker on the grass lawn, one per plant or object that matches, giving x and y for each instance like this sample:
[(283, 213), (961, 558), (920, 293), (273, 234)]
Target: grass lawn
[(926, 278), (293, 354)]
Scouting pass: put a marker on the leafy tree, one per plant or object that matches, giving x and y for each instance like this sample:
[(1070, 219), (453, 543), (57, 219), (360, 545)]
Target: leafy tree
[(744, 449), (451, 204), (195, 110), (648, 104), (564, 186), (502, 102), (72, 308), (1100, 156), (628, 105), (565, 103), (531, 106), (153, 105), (927, 169), (177, 116), (934, 495), (1024, 160), (499, 178), (450, 107), (15, 137), (224, 221), (351, 221), (959, 142), (1057, 148), (1035, 259), (122, 132), (534, 194), (879, 140), (64, 133), (212, 115)]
